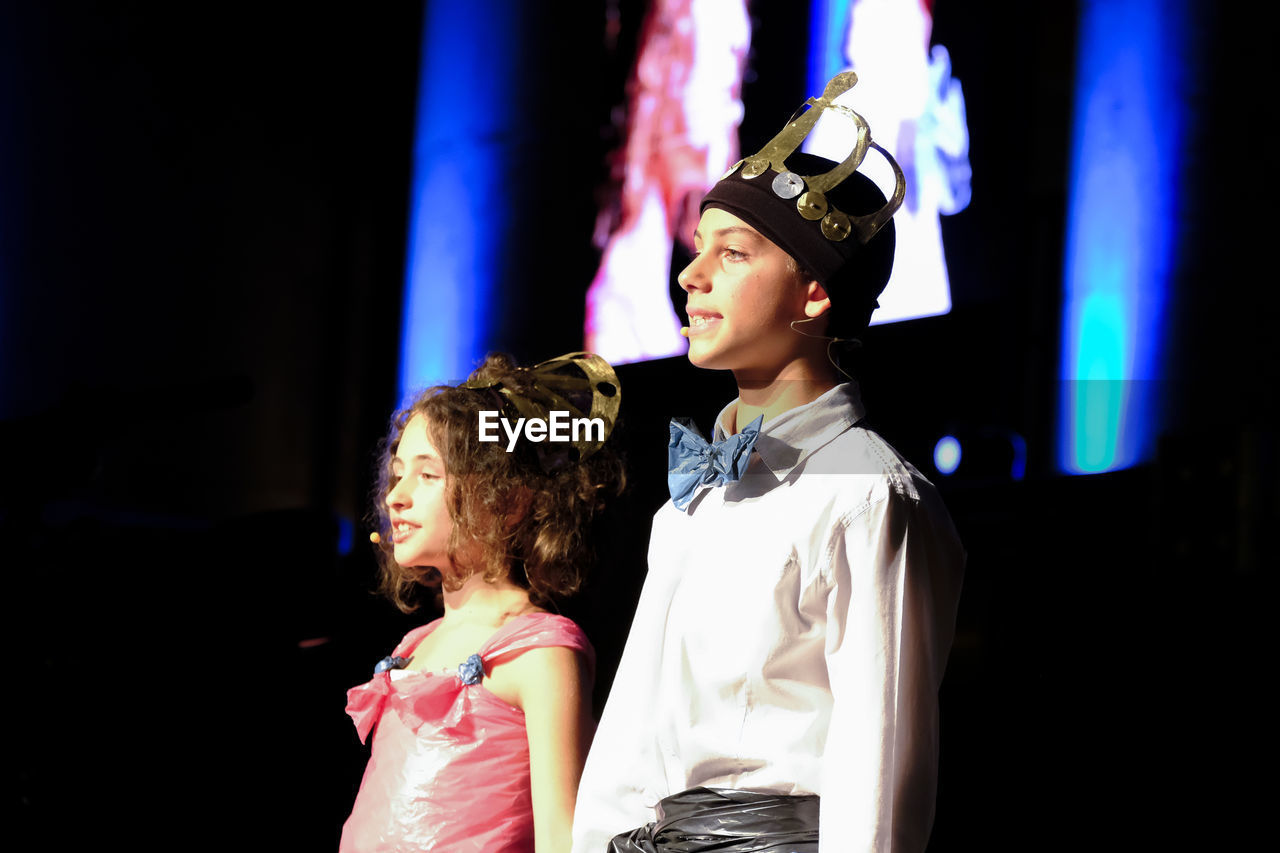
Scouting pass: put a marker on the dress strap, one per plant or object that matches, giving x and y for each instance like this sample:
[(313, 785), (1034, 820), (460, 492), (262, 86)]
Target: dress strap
[(537, 631), (411, 639)]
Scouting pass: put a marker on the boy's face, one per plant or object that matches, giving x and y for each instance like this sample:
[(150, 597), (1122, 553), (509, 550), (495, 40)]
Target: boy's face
[(420, 520), (742, 295)]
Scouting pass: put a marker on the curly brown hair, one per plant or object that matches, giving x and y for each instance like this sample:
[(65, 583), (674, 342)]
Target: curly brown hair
[(528, 526)]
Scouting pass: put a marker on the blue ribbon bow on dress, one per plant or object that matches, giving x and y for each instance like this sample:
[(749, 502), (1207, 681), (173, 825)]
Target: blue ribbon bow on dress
[(692, 461)]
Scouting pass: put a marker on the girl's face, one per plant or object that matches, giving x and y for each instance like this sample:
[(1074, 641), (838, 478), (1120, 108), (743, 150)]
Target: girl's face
[(420, 520)]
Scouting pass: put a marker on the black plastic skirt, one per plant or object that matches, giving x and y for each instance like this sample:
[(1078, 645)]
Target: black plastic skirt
[(726, 821)]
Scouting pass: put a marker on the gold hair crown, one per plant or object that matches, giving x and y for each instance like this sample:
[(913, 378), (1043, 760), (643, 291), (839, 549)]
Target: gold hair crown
[(810, 191), (580, 383)]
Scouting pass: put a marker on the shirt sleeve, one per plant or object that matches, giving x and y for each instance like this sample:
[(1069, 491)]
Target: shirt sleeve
[(623, 770), (893, 577)]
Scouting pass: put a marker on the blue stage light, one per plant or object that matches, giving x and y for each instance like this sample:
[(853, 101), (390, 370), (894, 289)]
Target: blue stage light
[(828, 23), (457, 217), (946, 455), (346, 535), (1126, 147)]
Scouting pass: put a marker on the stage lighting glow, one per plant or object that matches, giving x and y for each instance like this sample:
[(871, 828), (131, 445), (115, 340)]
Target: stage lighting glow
[(1018, 469), (346, 535), (916, 110), (828, 23), (946, 455), (1125, 151), (684, 108), (456, 218)]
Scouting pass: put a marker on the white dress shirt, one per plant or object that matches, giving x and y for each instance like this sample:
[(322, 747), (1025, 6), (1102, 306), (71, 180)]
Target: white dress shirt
[(790, 638)]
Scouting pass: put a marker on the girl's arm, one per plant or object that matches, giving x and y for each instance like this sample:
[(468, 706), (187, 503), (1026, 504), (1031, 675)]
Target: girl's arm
[(555, 692)]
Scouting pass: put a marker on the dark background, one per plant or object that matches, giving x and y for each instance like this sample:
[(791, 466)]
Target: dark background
[(202, 234)]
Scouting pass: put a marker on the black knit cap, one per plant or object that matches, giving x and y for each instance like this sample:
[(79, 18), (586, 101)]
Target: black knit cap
[(854, 273)]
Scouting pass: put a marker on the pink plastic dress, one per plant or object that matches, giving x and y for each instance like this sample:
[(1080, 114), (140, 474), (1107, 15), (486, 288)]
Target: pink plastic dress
[(449, 769)]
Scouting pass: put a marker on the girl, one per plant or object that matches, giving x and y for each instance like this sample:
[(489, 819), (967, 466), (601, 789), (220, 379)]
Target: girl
[(483, 715)]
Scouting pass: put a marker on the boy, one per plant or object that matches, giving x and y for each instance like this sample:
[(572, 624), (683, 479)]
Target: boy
[(795, 622)]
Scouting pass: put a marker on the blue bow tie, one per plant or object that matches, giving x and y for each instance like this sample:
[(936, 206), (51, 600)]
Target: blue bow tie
[(693, 461)]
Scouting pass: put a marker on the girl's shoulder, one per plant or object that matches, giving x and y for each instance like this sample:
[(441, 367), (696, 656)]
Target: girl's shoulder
[(536, 631), (539, 657)]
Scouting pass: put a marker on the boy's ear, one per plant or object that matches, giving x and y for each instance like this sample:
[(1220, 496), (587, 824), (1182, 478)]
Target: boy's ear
[(817, 302)]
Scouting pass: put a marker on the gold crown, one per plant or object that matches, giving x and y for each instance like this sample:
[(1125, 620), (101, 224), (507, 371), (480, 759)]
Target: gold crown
[(810, 191), (580, 383)]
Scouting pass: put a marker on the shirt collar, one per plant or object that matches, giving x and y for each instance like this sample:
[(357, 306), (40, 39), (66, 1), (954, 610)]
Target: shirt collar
[(791, 437)]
